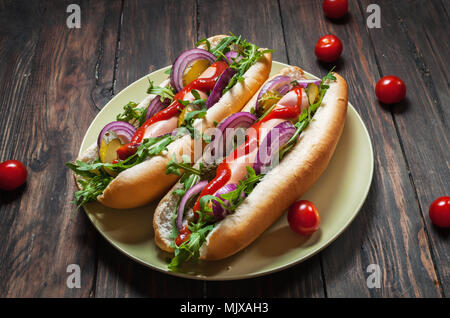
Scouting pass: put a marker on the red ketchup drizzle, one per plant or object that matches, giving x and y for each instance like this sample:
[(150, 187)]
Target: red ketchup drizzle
[(202, 84), (223, 174)]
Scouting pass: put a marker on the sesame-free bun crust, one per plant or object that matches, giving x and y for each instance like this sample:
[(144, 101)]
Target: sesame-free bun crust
[(283, 185), (148, 181)]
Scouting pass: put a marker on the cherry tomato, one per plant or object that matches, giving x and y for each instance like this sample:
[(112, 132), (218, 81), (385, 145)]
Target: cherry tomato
[(303, 217), (328, 48), (439, 212), (335, 9), (390, 89), (12, 174)]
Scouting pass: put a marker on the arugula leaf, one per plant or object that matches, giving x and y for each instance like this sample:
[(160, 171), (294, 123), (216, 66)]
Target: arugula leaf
[(132, 114), (206, 42), (91, 188), (306, 116), (250, 54), (163, 92), (190, 249), (173, 166), (95, 180)]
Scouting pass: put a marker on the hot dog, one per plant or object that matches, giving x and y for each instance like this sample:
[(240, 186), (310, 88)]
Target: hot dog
[(293, 125), (126, 167)]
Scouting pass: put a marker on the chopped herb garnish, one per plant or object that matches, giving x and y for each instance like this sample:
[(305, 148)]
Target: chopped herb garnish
[(163, 92), (95, 179), (131, 114), (306, 116)]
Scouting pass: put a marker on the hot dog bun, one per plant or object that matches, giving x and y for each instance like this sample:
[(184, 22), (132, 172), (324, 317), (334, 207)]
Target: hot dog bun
[(283, 185), (147, 181)]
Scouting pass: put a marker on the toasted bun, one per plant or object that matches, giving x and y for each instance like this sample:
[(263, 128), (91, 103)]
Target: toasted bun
[(284, 184), (148, 181)]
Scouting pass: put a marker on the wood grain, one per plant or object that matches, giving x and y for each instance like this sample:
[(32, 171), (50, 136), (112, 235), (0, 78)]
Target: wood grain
[(422, 119), (54, 80), (389, 230), (46, 124)]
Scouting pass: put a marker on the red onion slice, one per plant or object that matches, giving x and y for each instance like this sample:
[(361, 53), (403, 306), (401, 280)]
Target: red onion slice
[(221, 83), (155, 106), (123, 130), (304, 82), (196, 189), (236, 120), (218, 210), (271, 145), (183, 61), (277, 83), (231, 56)]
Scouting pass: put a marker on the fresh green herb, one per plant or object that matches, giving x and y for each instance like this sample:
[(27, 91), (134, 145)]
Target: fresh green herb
[(131, 114), (306, 116), (168, 71), (250, 54), (163, 92), (267, 112), (190, 249), (173, 167), (96, 179), (206, 42), (189, 117), (91, 188), (235, 197)]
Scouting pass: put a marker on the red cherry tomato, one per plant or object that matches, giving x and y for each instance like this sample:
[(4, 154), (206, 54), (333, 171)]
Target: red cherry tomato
[(303, 217), (328, 48), (12, 174), (390, 89), (335, 9), (439, 212)]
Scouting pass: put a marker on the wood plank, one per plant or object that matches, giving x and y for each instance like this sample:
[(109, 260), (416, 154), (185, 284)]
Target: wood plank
[(422, 119), (152, 34), (389, 230), (43, 232), (260, 23)]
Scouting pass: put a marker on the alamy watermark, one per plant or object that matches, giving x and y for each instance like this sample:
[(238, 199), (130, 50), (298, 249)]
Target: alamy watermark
[(74, 279), (74, 18), (374, 279), (374, 19)]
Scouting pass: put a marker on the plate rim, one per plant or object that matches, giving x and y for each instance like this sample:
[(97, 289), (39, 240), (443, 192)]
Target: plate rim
[(254, 274)]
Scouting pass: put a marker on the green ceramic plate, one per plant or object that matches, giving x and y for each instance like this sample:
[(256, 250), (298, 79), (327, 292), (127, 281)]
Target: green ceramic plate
[(338, 194)]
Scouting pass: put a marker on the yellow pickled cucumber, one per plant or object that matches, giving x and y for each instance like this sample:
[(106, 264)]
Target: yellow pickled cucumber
[(108, 153), (269, 99), (312, 91), (183, 113), (193, 71)]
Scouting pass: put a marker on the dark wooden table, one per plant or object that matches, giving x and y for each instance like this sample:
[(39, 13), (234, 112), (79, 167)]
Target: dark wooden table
[(54, 80)]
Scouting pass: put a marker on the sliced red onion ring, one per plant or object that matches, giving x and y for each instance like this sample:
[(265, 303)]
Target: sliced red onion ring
[(236, 120), (123, 130), (196, 189), (221, 83), (271, 145), (304, 82), (231, 56), (183, 61), (155, 106), (277, 83), (284, 89), (218, 210)]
